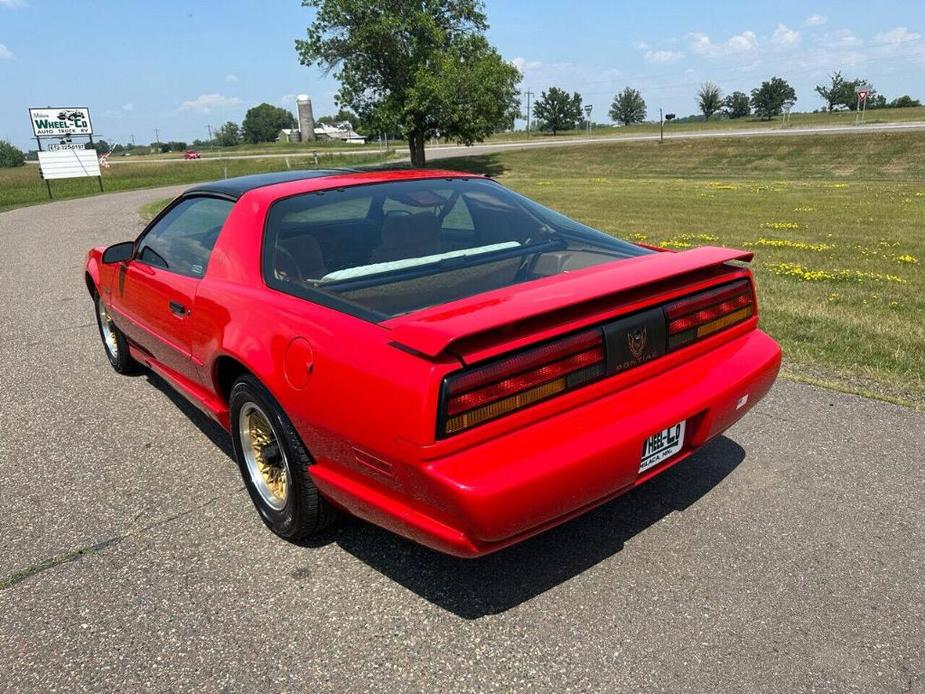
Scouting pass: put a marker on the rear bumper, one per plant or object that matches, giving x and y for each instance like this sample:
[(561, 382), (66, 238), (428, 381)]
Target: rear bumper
[(508, 488)]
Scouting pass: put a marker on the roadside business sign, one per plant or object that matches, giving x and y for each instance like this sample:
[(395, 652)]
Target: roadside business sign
[(65, 158), (60, 122)]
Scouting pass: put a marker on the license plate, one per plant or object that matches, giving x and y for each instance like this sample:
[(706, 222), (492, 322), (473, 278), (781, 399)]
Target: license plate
[(661, 446)]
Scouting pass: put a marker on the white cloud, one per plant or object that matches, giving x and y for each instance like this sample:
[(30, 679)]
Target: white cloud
[(642, 46), (785, 36), (287, 100), (12, 4), (896, 36), (523, 64), (128, 107), (815, 20), (6, 53), (231, 78), (205, 103), (843, 38), (739, 43), (663, 57)]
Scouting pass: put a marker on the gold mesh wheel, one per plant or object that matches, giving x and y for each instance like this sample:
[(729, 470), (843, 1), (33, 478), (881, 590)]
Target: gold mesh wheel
[(264, 455)]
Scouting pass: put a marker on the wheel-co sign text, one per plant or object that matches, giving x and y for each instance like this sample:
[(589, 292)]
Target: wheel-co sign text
[(54, 122)]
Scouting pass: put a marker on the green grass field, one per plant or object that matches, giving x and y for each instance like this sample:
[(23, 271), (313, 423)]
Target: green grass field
[(837, 225)]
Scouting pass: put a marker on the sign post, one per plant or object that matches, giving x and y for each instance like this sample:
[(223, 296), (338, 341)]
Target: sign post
[(862, 91), (65, 158)]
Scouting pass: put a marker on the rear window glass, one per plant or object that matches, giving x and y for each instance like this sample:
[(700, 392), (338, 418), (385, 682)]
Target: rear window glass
[(385, 249)]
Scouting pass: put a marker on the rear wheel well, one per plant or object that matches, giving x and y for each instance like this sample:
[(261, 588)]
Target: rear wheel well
[(226, 371), (91, 285)]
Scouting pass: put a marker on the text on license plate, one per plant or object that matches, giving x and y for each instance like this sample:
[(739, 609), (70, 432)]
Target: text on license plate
[(661, 446)]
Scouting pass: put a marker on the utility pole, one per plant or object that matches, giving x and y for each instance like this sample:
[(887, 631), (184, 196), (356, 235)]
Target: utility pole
[(133, 140), (211, 141), (588, 117), (529, 94), (157, 136), (661, 126)]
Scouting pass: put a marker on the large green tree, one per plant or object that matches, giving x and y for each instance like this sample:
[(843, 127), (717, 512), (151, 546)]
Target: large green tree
[(768, 100), (904, 101), (229, 134), (709, 99), (833, 92), (262, 123), (419, 68), (736, 105), (843, 92), (628, 107), (555, 110)]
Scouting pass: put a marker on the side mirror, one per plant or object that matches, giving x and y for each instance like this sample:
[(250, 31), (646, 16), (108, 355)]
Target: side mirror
[(119, 252)]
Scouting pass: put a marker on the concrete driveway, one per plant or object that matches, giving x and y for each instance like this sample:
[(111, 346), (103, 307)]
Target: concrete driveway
[(788, 556)]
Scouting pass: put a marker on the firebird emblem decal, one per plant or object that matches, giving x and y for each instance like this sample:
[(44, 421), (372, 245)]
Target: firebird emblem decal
[(636, 341)]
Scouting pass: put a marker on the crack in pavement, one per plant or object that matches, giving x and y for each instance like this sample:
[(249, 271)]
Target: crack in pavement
[(72, 555)]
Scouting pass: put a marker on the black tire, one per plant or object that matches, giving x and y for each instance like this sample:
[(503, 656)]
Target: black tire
[(305, 512), (118, 355)]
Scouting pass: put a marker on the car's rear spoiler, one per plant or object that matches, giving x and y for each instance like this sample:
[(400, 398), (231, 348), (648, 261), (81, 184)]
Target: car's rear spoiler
[(431, 331)]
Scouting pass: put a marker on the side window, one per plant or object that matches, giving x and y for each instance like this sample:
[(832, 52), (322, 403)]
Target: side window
[(182, 239)]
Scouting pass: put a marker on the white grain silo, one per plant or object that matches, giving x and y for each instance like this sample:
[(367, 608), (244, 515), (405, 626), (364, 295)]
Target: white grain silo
[(306, 118)]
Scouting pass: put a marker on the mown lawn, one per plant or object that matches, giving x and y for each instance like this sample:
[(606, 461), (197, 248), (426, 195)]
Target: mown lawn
[(837, 225)]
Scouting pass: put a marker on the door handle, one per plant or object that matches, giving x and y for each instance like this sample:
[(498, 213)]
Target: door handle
[(177, 308)]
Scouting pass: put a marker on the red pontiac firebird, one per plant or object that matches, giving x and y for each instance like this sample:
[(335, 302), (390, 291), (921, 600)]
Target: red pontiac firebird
[(430, 351)]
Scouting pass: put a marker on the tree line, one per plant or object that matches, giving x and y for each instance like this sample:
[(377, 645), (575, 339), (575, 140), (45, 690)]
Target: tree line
[(557, 110)]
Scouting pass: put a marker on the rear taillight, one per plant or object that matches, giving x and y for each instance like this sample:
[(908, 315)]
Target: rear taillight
[(705, 313), (476, 396)]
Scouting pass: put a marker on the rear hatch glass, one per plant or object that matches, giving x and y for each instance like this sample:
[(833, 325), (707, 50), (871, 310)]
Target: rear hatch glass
[(386, 249)]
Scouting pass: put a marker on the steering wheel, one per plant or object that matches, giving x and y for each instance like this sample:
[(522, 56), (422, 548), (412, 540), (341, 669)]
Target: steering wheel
[(285, 266)]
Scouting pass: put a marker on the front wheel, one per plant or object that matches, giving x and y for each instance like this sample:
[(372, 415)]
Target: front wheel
[(114, 341), (274, 464)]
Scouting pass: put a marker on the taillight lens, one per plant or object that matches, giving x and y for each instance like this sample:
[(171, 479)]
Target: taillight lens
[(705, 313), (476, 396)]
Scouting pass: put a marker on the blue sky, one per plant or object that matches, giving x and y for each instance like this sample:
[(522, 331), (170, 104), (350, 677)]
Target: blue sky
[(179, 66)]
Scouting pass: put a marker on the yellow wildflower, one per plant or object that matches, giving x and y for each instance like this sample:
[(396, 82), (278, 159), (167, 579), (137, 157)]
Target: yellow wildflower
[(787, 243), (807, 275)]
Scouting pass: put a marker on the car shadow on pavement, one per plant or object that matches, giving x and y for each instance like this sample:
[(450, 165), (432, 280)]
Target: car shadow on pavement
[(498, 582), (207, 426), (473, 588)]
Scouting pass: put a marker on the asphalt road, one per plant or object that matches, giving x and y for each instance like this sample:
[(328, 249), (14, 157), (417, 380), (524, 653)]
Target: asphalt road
[(788, 556)]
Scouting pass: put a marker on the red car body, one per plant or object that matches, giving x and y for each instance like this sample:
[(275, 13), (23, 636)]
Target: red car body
[(364, 396), (191, 154)]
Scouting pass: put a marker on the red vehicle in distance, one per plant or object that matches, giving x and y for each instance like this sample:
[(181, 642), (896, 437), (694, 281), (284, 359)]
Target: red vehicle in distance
[(430, 351), (192, 154)]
